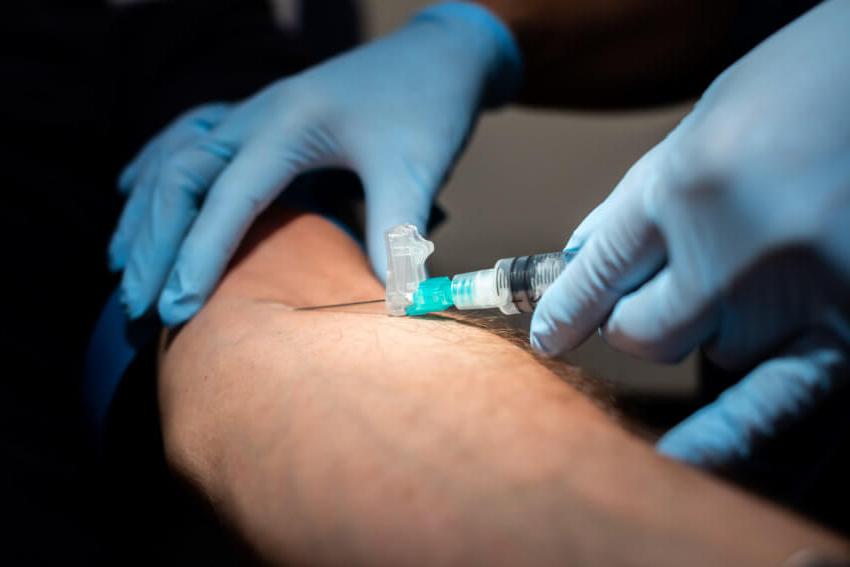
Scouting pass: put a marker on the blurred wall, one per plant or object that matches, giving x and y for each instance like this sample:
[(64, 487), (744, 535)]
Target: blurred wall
[(526, 180)]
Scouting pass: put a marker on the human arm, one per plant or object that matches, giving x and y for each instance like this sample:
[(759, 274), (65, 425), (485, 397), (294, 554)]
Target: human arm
[(340, 437)]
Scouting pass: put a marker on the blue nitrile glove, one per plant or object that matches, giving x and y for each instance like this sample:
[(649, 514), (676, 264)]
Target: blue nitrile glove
[(732, 233), (397, 111), (774, 394)]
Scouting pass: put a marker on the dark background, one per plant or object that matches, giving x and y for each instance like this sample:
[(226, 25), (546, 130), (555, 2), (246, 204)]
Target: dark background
[(83, 86)]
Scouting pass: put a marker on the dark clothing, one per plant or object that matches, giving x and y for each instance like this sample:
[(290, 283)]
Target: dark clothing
[(84, 85)]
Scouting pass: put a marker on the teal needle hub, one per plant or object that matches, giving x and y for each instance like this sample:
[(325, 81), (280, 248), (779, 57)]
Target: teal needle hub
[(433, 294)]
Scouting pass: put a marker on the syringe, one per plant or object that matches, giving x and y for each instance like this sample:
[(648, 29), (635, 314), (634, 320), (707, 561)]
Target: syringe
[(513, 285)]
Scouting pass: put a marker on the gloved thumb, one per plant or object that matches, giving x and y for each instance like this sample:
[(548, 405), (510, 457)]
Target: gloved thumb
[(767, 400), (620, 248), (394, 197), (621, 253)]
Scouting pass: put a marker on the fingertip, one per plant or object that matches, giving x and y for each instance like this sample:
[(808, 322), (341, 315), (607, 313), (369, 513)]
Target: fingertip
[(134, 306), (115, 262), (138, 289), (116, 254), (671, 447), (539, 344), (122, 297), (125, 179), (554, 327), (547, 333), (539, 335), (174, 314), (694, 447), (176, 307), (184, 293)]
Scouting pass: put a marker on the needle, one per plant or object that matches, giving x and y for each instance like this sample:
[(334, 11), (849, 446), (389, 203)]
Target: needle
[(352, 304)]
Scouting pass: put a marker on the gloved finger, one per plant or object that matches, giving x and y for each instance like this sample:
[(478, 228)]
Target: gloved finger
[(242, 191), (180, 187), (132, 171), (131, 219), (207, 117), (662, 321), (773, 395), (616, 258), (190, 129), (196, 122), (393, 197)]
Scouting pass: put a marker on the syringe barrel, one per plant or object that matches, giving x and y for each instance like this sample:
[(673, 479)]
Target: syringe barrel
[(528, 277), (514, 285)]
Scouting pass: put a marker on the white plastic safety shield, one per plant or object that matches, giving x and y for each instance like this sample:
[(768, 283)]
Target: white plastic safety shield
[(407, 251)]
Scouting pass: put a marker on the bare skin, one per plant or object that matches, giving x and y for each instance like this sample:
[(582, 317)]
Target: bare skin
[(345, 437)]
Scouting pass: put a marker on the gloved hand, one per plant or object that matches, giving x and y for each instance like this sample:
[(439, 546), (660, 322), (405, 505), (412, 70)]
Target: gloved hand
[(732, 233), (397, 111)]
